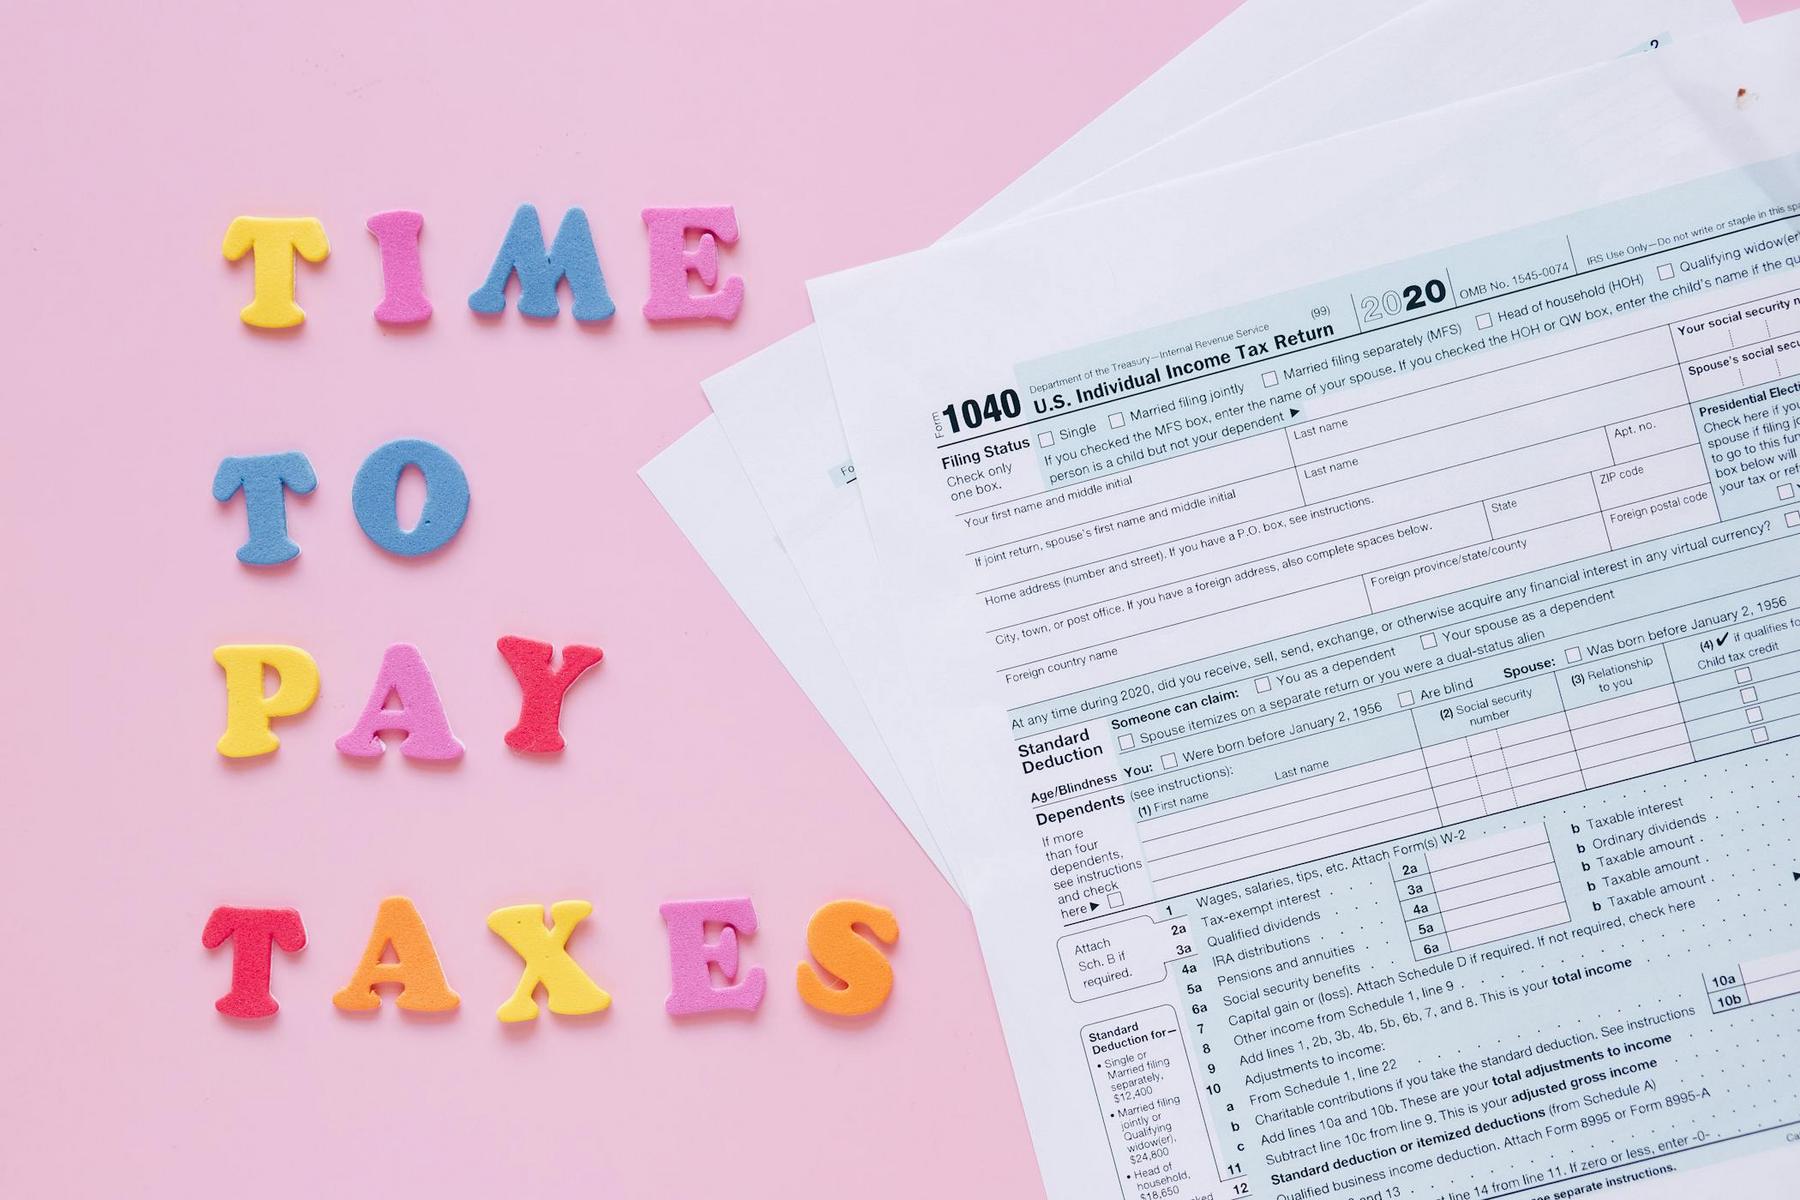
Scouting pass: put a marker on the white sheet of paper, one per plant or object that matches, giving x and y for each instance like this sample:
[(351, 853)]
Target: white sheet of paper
[(1253, 44), (777, 406), (1242, 630), (1433, 55), (701, 485)]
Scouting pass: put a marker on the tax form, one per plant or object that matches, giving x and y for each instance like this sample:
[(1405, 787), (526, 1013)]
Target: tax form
[(1362, 641), (777, 407)]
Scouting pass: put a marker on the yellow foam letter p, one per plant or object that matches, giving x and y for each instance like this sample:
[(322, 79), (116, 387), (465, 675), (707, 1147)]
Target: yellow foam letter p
[(275, 241), (247, 710)]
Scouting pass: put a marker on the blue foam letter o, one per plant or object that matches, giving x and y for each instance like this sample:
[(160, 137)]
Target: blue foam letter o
[(446, 497)]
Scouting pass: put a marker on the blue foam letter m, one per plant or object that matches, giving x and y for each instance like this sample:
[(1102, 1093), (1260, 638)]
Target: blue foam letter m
[(571, 256)]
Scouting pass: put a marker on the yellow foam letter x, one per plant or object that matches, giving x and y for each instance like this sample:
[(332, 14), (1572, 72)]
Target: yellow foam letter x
[(547, 960)]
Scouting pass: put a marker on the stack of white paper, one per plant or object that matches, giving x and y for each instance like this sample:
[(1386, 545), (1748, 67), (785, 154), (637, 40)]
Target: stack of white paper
[(1306, 563)]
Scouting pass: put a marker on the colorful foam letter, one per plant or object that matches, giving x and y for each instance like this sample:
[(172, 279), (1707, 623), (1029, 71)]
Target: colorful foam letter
[(247, 710), (571, 256), (691, 988), (403, 299), (540, 709), (261, 478), (275, 241), (547, 960), (834, 943), (671, 262), (420, 715), (446, 497), (416, 968), (252, 933)]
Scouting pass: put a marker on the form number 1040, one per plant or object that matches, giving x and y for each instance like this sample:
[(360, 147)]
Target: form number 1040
[(970, 414)]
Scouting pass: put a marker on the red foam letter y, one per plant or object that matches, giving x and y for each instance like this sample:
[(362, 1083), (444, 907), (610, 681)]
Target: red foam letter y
[(540, 709)]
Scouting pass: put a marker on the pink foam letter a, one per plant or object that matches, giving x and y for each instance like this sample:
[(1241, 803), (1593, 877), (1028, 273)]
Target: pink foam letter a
[(420, 715)]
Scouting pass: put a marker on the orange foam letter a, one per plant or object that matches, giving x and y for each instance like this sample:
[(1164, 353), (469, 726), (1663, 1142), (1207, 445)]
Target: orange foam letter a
[(415, 969)]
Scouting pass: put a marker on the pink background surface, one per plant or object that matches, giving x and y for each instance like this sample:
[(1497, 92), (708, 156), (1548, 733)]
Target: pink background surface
[(695, 766)]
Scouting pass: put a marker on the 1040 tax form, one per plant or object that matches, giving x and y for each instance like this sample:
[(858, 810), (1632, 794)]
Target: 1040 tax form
[(1365, 708), (777, 407)]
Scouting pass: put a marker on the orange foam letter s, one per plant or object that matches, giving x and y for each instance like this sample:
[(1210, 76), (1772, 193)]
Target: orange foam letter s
[(832, 938)]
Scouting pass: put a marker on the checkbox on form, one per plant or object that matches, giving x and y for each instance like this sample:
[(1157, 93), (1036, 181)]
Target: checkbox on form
[(1665, 272), (1126, 741), (1168, 760), (1269, 378), (1743, 674), (1427, 640), (1046, 438), (1263, 684), (1572, 654), (1484, 321), (1406, 699), (1117, 420), (1754, 714)]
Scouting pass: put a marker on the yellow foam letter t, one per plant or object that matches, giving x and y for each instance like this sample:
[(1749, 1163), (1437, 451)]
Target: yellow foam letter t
[(275, 241)]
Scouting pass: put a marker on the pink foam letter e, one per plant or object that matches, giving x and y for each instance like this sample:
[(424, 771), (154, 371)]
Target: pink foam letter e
[(691, 988), (671, 262)]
